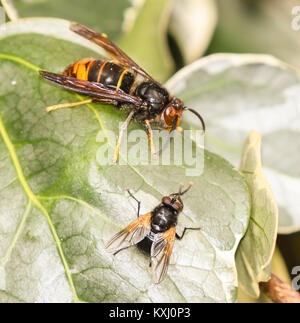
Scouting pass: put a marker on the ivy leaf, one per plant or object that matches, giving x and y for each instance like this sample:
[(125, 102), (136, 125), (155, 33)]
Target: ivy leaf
[(278, 268), (105, 16), (146, 39), (264, 23), (59, 206), (239, 93), (192, 24), (255, 251)]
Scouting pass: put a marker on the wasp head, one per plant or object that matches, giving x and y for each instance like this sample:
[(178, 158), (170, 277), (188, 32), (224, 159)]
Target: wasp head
[(171, 115), (171, 118)]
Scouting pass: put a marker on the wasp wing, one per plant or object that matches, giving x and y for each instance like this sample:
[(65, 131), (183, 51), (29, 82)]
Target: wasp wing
[(113, 50), (161, 251), (131, 235), (92, 89)]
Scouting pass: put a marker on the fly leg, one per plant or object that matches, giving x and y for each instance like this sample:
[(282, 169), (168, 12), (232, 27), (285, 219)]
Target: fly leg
[(150, 135), (185, 229), (138, 202), (122, 129)]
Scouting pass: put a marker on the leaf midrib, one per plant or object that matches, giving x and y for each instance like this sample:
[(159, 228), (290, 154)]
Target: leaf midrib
[(31, 196)]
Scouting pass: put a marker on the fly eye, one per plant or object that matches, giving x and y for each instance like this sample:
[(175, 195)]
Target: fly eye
[(177, 206), (166, 200), (175, 203)]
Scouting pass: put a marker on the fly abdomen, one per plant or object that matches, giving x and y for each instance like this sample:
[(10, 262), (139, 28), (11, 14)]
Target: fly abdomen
[(109, 74), (145, 245)]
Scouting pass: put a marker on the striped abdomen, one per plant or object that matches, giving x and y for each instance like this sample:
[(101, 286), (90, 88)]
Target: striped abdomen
[(107, 73)]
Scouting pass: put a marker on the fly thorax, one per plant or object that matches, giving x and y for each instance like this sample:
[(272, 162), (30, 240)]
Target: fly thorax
[(163, 218)]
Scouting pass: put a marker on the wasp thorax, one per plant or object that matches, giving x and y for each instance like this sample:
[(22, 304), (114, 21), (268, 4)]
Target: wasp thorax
[(155, 96)]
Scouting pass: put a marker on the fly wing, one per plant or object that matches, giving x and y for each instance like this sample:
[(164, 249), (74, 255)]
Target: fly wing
[(131, 235), (92, 89), (112, 49), (161, 251)]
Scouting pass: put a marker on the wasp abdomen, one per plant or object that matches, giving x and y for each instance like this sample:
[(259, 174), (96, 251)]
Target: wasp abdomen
[(107, 73)]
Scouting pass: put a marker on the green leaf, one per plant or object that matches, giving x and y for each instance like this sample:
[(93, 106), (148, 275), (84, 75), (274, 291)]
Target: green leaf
[(255, 251), (239, 93), (278, 268), (146, 39), (192, 24), (257, 26), (59, 206), (105, 16)]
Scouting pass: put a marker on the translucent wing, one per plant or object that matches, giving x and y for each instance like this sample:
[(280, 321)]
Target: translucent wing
[(92, 89), (131, 235), (113, 50), (161, 251)]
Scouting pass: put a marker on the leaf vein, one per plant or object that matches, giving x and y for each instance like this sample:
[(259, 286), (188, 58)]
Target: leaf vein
[(17, 234), (36, 202)]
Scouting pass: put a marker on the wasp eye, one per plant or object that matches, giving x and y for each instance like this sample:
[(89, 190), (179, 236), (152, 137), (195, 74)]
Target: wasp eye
[(170, 111)]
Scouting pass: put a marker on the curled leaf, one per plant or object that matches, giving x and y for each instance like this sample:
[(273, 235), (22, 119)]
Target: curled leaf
[(192, 24), (256, 249)]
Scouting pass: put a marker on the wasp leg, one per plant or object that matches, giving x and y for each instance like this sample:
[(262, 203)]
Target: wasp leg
[(185, 229), (75, 104), (68, 105), (150, 135), (138, 202), (122, 129)]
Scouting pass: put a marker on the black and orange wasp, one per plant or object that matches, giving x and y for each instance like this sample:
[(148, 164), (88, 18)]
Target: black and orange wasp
[(120, 82), (153, 233)]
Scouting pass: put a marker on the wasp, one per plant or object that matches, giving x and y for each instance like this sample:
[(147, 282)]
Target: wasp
[(122, 83), (153, 233)]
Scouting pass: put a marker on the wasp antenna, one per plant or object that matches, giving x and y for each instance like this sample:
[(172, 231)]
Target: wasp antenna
[(169, 136), (199, 117)]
